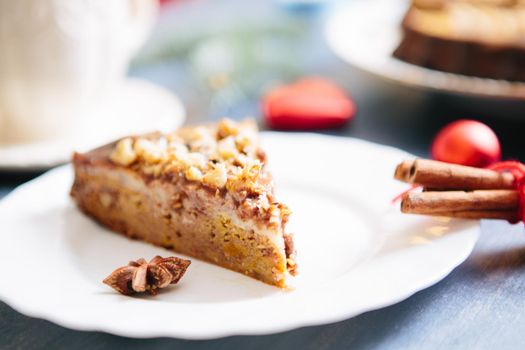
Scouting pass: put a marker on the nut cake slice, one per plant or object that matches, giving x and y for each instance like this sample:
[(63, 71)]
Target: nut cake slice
[(203, 191)]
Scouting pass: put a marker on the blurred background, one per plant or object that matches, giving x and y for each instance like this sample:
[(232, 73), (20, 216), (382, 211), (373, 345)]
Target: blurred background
[(220, 57)]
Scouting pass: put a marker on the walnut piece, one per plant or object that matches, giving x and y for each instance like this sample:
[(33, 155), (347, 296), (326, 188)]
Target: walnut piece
[(216, 177), (124, 153), (140, 276), (150, 151), (227, 127), (193, 174)]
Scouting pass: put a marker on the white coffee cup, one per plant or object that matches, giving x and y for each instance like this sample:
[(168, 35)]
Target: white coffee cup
[(61, 59)]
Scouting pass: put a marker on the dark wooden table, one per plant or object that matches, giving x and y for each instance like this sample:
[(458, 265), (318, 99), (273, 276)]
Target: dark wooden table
[(480, 305)]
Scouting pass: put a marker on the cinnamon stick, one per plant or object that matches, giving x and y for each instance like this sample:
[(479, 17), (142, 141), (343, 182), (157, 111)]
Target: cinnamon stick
[(445, 176), (427, 202), (508, 215)]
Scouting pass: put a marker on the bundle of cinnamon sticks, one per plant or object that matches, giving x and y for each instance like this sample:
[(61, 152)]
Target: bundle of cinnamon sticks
[(458, 191)]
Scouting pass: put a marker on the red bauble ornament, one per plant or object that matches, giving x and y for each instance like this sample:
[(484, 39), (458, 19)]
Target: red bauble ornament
[(310, 103), (467, 142)]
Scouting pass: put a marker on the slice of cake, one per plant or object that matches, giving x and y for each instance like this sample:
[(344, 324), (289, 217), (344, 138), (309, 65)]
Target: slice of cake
[(202, 191), (483, 38)]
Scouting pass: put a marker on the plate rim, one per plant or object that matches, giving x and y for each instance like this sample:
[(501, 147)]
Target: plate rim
[(414, 287)]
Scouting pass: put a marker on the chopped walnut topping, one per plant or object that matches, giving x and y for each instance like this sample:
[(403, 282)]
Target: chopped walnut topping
[(226, 148), (141, 276), (216, 177), (227, 127), (246, 178), (223, 155), (193, 174), (197, 134), (123, 153), (264, 203), (243, 142), (275, 218), (177, 149), (148, 150), (197, 160)]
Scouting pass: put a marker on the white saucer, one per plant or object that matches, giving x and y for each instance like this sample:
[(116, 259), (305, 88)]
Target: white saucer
[(356, 252), (365, 33), (139, 108)]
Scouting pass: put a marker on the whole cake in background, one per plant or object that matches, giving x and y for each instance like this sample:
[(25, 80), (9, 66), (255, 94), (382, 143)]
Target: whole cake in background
[(482, 38), (203, 191)]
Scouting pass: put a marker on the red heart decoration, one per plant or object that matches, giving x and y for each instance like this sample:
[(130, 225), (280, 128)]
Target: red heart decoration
[(310, 103)]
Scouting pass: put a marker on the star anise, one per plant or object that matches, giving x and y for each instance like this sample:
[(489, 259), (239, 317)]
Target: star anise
[(141, 276)]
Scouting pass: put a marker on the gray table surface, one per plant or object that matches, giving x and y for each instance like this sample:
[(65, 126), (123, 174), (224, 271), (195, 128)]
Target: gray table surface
[(480, 305)]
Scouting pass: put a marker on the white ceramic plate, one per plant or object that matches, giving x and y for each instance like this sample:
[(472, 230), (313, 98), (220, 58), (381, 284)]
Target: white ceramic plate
[(356, 252), (140, 107), (365, 33)]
